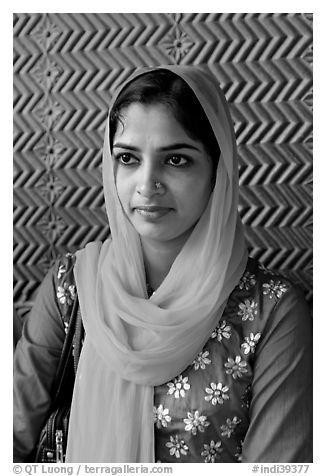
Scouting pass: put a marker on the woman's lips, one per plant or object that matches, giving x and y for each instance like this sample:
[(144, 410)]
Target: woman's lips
[(152, 212)]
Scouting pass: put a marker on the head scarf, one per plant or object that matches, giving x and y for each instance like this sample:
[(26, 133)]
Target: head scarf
[(134, 343)]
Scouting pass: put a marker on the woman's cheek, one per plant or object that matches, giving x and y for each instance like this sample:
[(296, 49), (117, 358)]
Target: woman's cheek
[(120, 188), (125, 191)]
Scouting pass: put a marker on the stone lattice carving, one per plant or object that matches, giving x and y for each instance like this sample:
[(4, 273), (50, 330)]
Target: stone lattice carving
[(66, 67)]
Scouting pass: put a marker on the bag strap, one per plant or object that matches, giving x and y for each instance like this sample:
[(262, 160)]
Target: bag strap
[(68, 304)]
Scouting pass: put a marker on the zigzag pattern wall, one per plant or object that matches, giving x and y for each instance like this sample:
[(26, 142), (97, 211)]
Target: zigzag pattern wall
[(66, 67)]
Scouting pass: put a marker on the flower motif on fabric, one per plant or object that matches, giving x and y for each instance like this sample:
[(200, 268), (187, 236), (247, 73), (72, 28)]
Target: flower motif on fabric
[(246, 397), (161, 416), (249, 346), (195, 422), (66, 294), (221, 331), (274, 289), (217, 393), (177, 447), (229, 427), (235, 367), (212, 451), (66, 324), (238, 454), (178, 387), (201, 360), (248, 310), (247, 281), (61, 270)]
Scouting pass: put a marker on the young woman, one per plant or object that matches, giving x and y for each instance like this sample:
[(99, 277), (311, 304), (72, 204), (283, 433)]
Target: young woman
[(193, 352)]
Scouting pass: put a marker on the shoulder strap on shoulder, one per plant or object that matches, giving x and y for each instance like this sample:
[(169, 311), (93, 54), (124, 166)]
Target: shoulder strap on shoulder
[(68, 304), (66, 287)]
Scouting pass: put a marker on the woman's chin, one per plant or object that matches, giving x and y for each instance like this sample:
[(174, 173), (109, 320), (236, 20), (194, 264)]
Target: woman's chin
[(165, 237), (150, 234), (154, 229)]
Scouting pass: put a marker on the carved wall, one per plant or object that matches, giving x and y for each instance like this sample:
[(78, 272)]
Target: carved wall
[(66, 67)]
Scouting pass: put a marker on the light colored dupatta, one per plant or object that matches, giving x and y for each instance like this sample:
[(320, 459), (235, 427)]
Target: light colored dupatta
[(133, 343)]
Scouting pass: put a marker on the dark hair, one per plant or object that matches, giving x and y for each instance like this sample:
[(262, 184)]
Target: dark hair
[(164, 87)]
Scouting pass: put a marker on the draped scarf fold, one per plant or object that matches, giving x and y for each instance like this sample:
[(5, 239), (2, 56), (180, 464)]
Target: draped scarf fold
[(133, 343)]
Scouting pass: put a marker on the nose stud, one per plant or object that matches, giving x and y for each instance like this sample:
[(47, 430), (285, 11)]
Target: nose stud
[(153, 187)]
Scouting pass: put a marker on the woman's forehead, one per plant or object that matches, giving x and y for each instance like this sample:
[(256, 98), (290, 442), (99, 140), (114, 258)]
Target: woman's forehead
[(155, 120)]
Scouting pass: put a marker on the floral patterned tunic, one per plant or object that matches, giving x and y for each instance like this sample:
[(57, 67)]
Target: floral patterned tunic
[(246, 397)]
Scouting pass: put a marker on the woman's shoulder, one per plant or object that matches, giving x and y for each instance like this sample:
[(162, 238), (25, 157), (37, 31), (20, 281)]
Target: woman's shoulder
[(60, 280), (267, 282), (64, 263), (263, 294)]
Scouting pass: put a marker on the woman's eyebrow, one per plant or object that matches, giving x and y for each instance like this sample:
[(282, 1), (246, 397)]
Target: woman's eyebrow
[(176, 146), (180, 145), (125, 146)]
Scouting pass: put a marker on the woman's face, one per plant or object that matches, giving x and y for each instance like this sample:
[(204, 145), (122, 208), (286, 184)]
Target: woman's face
[(163, 177)]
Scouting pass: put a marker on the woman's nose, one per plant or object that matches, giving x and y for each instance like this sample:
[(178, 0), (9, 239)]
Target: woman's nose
[(149, 183)]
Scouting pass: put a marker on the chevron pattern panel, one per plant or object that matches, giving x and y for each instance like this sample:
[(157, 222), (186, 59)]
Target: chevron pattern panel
[(66, 67)]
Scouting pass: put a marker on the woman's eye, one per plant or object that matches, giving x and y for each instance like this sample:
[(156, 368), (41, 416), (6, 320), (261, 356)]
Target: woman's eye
[(177, 161), (126, 159)]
